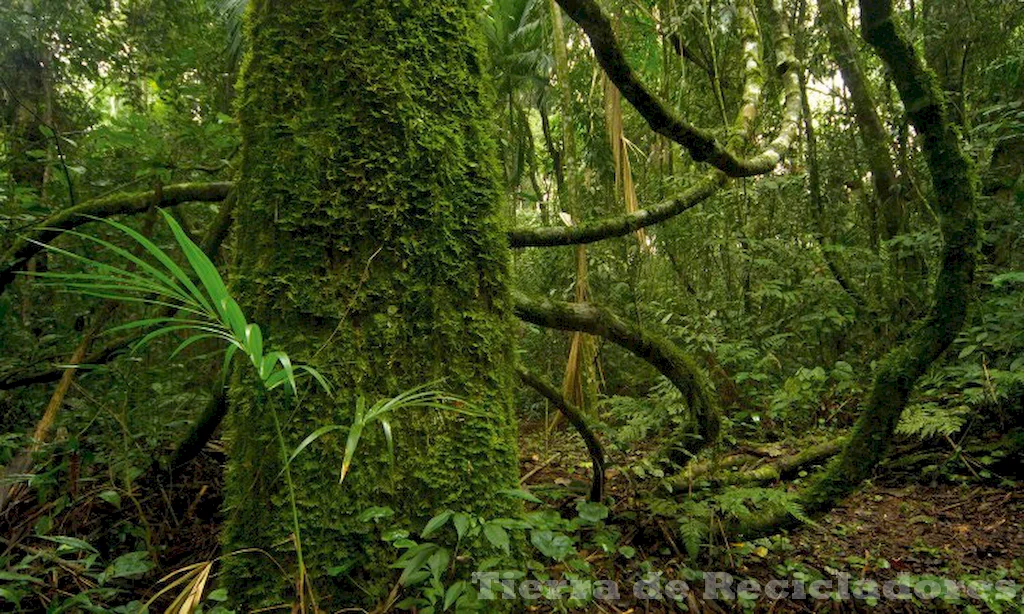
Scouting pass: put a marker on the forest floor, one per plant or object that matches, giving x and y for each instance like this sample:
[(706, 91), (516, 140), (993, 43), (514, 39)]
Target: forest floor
[(951, 527), (898, 526)]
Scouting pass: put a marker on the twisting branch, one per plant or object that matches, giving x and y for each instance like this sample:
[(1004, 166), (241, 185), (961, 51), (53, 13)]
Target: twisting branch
[(955, 198), (660, 352), (618, 226), (575, 418), (703, 147), (17, 255), (955, 205)]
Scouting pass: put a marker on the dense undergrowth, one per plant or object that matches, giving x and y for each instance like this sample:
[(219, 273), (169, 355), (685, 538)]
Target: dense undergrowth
[(780, 293)]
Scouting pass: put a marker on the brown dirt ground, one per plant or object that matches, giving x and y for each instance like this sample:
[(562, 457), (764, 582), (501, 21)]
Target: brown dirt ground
[(891, 527)]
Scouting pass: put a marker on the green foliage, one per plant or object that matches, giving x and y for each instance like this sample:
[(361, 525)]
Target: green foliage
[(984, 374), (380, 413), (433, 572), (370, 246), (931, 420), (702, 516), (211, 312), (26, 578)]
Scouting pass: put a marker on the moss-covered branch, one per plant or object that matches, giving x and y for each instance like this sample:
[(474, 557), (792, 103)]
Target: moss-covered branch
[(955, 205), (768, 472), (576, 419), (21, 251), (617, 226), (786, 465), (703, 147), (660, 352)]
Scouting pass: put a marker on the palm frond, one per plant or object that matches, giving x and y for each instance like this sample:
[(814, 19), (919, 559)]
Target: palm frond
[(153, 277)]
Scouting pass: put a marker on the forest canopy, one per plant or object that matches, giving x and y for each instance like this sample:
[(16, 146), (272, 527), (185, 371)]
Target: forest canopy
[(511, 305)]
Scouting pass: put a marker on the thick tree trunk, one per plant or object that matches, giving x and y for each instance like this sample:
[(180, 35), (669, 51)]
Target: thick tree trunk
[(372, 247)]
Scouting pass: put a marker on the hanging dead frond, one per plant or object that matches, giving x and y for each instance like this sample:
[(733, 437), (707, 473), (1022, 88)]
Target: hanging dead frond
[(620, 155)]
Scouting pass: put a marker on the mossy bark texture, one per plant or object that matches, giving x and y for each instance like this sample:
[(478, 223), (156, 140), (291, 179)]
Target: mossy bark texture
[(955, 187), (370, 246)]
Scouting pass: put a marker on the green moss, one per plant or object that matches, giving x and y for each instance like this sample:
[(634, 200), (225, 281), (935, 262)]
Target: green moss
[(955, 194), (371, 245)]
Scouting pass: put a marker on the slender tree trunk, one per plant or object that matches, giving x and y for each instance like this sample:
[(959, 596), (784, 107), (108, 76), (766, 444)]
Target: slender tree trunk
[(955, 197), (890, 205), (372, 246), (814, 178)]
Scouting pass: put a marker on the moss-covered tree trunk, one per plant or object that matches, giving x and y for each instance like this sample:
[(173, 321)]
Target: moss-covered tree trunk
[(954, 183), (371, 246)]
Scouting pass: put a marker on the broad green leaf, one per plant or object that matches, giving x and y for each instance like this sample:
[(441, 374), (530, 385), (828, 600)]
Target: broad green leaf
[(165, 280), (453, 593), (413, 560), (376, 513), (131, 565), (461, 521), (592, 512), (553, 545), (497, 535), (435, 523), (235, 317), (111, 497), (438, 562)]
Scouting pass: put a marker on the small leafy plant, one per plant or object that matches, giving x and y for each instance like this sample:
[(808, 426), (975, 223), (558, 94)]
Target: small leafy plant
[(206, 310)]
